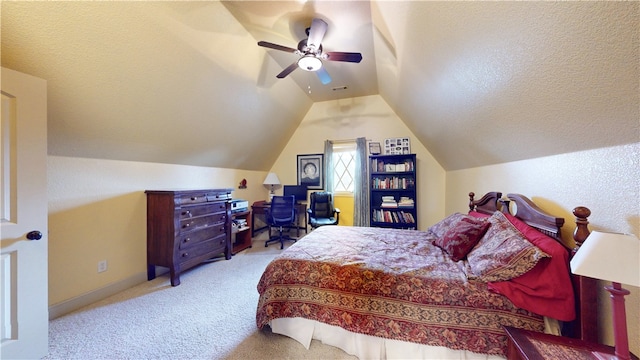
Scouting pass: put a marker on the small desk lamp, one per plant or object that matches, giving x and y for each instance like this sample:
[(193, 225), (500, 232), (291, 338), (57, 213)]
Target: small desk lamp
[(271, 180), (612, 257)]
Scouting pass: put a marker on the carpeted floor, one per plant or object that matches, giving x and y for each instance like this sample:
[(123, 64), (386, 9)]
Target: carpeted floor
[(210, 315)]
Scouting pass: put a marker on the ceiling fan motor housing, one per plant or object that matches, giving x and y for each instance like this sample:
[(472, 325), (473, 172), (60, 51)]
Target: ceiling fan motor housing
[(306, 50)]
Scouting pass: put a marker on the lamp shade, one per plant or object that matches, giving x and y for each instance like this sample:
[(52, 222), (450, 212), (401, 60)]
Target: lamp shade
[(609, 256), (309, 63), (271, 179)]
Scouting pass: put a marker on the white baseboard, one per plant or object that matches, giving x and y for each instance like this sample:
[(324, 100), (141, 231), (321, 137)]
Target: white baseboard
[(83, 300)]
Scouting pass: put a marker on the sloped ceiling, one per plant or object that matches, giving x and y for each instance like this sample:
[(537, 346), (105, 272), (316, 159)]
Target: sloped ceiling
[(184, 82)]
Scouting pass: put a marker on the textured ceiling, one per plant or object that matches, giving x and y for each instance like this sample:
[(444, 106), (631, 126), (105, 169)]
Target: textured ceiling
[(477, 82)]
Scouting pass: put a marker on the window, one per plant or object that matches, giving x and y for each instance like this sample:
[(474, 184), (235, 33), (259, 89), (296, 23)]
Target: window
[(344, 168)]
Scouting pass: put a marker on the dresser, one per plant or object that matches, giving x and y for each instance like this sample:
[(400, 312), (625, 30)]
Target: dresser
[(186, 228)]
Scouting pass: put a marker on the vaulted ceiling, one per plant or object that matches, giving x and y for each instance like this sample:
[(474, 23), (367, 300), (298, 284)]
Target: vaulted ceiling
[(185, 82)]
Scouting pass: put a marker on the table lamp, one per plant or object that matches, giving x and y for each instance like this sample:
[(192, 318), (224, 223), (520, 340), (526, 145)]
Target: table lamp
[(611, 257), (271, 180)]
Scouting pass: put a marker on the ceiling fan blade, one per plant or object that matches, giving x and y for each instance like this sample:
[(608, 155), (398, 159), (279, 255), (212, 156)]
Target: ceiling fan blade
[(344, 56), (276, 46), (316, 33), (323, 75), (288, 70)]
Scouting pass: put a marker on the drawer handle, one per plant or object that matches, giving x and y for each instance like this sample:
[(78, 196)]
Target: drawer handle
[(187, 240), (185, 254), (187, 225), (186, 213), (194, 198)]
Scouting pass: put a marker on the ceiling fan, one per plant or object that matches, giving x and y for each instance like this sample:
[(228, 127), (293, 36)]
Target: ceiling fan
[(311, 55)]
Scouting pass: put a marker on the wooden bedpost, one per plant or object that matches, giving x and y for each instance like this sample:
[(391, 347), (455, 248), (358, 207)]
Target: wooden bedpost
[(581, 232), (472, 205), (585, 326)]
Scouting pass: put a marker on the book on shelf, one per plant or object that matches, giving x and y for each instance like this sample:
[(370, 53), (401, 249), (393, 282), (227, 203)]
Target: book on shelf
[(393, 182), (378, 165), (389, 202), (406, 201), (391, 216)]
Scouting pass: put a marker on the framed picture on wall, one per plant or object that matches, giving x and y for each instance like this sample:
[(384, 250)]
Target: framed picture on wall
[(375, 148), (311, 171), (397, 146)]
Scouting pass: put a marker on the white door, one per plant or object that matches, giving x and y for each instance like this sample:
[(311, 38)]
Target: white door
[(23, 210)]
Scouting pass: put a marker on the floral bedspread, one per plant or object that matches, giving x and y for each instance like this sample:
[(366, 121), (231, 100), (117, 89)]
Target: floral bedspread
[(388, 283)]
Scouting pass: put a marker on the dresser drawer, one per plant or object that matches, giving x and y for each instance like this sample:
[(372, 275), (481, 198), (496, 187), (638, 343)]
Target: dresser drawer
[(208, 247), (191, 224), (202, 197), (188, 212), (193, 238)]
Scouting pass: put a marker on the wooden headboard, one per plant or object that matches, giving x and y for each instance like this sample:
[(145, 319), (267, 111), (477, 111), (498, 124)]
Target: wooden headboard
[(488, 204), (585, 289), (535, 217)]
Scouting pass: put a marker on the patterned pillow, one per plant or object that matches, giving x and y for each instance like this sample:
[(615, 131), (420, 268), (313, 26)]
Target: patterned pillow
[(461, 238), (439, 229), (503, 253)]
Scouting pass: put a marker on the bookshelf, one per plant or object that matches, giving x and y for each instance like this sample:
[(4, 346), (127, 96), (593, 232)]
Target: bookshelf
[(240, 229), (393, 191)]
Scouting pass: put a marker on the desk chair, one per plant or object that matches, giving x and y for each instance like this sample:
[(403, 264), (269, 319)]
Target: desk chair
[(282, 213), (321, 211)]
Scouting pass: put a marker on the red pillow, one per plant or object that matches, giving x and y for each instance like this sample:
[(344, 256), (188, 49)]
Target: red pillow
[(478, 214), (461, 238), (546, 289)]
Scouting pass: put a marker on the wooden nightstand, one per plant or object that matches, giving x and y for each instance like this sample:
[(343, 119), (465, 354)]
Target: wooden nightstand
[(530, 345)]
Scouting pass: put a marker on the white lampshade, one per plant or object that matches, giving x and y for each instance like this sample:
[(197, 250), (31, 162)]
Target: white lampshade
[(309, 63), (271, 179), (609, 256)]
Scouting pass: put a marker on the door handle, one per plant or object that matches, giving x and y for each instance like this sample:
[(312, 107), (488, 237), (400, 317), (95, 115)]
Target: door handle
[(34, 235)]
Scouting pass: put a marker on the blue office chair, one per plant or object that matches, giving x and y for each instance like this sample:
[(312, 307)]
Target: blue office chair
[(282, 213)]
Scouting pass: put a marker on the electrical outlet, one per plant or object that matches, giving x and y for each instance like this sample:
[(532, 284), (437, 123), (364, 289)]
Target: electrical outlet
[(102, 266)]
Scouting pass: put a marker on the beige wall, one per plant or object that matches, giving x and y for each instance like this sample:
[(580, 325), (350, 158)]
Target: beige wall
[(97, 211), (372, 118), (604, 180), (97, 208)]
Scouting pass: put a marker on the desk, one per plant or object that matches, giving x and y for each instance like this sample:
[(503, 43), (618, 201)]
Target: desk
[(529, 345), (261, 208)]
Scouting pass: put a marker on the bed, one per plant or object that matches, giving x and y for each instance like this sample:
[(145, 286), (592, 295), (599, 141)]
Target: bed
[(442, 293)]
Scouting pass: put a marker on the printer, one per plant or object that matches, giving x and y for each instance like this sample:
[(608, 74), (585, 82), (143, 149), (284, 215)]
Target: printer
[(239, 205)]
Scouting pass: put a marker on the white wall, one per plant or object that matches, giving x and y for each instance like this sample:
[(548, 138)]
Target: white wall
[(604, 180), (369, 117), (97, 211)]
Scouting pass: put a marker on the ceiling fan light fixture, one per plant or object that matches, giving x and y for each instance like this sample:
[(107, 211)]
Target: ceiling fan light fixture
[(309, 63)]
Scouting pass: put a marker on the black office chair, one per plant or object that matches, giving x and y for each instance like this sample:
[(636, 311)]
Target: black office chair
[(281, 214), (321, 211)]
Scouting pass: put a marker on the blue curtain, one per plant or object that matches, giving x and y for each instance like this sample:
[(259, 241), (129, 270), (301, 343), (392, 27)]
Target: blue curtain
[(328, 165), (361, 185)]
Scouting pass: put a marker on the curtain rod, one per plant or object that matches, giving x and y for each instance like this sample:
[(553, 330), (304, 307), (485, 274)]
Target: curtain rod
[(346, 140)]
